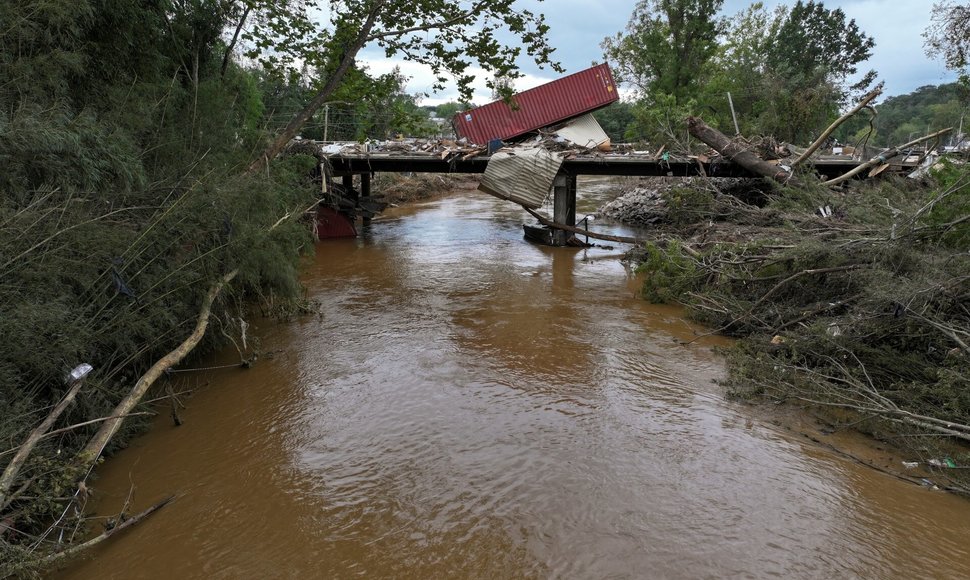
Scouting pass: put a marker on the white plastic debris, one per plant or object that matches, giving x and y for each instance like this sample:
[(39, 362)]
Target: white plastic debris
[(79, 372)]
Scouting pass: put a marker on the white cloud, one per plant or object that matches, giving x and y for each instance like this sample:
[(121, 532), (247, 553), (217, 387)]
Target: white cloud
[(421, 80)]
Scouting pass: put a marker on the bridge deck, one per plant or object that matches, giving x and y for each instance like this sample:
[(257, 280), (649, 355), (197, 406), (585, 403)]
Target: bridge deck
[(628, 165)]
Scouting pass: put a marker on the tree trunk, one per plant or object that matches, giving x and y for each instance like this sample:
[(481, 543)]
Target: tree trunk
[(122, 526), (736, 153), (93, 449), (294, 126), (825, 134), (13, 468), (235, 37)]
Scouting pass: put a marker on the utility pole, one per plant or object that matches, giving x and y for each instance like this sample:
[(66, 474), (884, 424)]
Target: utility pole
[(737, 131)]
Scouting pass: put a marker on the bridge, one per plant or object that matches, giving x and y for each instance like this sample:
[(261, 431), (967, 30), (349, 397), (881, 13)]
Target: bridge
[(346, 165)]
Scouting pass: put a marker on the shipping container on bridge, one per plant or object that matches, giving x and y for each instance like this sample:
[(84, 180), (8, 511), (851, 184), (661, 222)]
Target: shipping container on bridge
[(548, 104)]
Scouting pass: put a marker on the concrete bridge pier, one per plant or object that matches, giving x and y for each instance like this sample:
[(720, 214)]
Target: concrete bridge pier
[(563, 206)]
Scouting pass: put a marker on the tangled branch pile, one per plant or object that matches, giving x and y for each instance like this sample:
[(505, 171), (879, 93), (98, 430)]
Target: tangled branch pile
[(857, 300)]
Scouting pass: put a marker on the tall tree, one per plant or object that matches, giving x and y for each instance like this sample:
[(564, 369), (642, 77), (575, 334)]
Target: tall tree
[(666, 45), (446, 35), (789, 69), (815, 42), (948, 36), (664, 55)]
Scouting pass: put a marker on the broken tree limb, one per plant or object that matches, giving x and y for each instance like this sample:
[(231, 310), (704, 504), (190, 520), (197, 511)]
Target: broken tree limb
[(73, 550), (13, 468), (825, 134), (736, 152), (93, 449), (884, 157), (573, 229)]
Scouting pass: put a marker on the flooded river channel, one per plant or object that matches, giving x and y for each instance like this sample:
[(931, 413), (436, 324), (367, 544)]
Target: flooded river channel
[(469, 405)]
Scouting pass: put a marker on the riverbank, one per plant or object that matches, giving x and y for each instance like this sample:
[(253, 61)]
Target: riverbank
[(850, 302), (465, 402)]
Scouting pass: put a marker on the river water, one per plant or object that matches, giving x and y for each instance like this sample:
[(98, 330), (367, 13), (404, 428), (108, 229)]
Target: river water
[(469, 405)]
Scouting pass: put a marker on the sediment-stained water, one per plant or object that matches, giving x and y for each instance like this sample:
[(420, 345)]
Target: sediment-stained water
[(469, 405)]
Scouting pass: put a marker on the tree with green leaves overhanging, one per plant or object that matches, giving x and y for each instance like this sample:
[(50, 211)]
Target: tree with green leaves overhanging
[(129, 226), (445, 35), (128, 222), (663, 55), (948, 36), (788, 70)]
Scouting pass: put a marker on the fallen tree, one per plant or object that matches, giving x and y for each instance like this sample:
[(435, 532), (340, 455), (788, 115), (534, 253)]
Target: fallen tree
[(735, 151), (862, 308)]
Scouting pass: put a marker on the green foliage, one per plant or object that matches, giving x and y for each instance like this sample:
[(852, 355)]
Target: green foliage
[(664, 54), (949, 213), (667, 43), (902, 118), (121, 201), (448, 110), (786, 70), (615, 120), (668, 274), (688, 205), (865, 310), (948, 36), (814, 42), (444, 34)]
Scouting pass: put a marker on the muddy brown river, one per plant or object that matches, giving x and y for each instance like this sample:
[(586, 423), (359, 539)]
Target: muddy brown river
[(468, 405)]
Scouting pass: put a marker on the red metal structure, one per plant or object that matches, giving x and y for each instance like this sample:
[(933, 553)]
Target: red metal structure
[(539, 107), (333, 224)]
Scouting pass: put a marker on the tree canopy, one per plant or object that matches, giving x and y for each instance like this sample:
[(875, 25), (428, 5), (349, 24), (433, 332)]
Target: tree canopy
[(787, 70), (948, 36), (448, 36)]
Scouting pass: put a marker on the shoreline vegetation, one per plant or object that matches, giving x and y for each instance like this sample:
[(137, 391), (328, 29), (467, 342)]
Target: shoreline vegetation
[(852, 303), (144, 208)]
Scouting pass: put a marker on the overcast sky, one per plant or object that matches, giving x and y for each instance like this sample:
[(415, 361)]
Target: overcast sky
[(578, 26)]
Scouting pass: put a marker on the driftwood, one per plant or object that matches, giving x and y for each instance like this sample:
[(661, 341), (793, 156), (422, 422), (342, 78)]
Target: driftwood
[(825, 134), (884, 157), (124, 525), (93, 449), (737, 153)]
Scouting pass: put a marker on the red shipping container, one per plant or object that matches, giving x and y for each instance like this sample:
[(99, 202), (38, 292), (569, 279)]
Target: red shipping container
[(539, 107)]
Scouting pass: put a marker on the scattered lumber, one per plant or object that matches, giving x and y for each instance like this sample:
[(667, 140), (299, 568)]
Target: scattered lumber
[(885, 156)]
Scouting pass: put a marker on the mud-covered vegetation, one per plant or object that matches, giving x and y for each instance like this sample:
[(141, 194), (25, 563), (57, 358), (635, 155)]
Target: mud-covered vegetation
[(857, 299)]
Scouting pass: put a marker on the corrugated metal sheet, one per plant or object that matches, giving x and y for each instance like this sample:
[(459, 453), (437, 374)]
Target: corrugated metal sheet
[(539, 107), (584, 131), (524, 175)]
